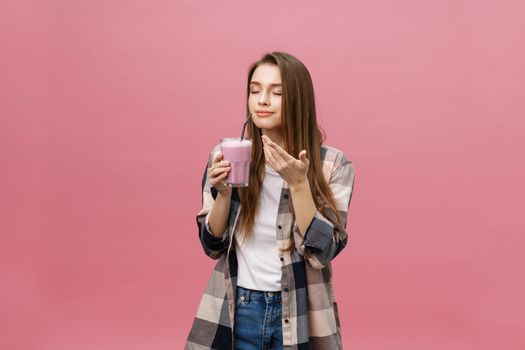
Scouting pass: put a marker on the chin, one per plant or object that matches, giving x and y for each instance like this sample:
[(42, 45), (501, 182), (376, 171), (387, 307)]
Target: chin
[(265, 123), (268, 126)]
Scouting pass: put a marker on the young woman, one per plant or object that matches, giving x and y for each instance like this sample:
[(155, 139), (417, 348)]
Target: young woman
[(274, 240)]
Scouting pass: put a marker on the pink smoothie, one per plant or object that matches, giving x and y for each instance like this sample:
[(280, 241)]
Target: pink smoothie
[(239, 154)]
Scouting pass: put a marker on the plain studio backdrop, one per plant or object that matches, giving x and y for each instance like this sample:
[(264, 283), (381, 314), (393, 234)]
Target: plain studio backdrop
[(108, 110)]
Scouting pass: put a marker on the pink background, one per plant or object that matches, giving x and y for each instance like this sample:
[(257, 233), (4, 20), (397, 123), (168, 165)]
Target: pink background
[(109, 110)]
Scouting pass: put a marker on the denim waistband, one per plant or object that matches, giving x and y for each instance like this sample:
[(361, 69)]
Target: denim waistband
[(253, 294)]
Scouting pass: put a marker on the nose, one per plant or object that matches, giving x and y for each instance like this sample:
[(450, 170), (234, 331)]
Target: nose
[(264, 99)]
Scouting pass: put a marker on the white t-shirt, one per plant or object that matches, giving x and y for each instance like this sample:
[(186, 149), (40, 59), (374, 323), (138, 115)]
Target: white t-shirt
[(259, 266)]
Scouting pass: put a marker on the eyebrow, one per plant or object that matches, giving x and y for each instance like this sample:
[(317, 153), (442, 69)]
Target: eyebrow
[(257, 83)]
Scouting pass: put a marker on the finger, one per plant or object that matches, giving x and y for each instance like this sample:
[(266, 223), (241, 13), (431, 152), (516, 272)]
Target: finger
[(221, 164), (219, 180), (266, 156), (219, 170), (220, 183), (302, 155), (222, 179), (218, 165), (277, 159), (281, 152), (217, 158), (270, 158)]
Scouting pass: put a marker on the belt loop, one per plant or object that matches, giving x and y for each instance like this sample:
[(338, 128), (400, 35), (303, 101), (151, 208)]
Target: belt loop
[(247, 296)]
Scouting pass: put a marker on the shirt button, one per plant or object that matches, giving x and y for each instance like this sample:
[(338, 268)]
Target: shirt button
[(282, 259), (286, 289), (279, 227), (285, 196), (285, 320)]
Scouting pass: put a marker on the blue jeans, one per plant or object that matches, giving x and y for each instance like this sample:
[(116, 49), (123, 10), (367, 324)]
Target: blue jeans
[(258, 320)]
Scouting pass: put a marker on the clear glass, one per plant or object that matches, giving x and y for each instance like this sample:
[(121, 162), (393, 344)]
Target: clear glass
[(239, 154)]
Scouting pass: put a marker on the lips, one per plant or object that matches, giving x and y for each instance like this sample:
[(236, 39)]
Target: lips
[(263, 113)]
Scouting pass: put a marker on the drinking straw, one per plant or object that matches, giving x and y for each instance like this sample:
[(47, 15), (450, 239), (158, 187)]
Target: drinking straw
[(244, 126)]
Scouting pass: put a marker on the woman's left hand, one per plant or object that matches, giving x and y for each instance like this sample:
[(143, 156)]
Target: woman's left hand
[(294, 171)]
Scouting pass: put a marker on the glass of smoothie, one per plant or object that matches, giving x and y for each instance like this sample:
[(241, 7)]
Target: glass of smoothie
[(238, 152)]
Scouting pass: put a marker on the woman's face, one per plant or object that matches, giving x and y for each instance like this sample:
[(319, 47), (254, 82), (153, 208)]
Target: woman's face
[(265, 95)]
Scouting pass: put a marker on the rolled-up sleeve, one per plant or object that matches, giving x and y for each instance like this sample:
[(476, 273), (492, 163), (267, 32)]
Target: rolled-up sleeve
[(213, 245), (323, 240)]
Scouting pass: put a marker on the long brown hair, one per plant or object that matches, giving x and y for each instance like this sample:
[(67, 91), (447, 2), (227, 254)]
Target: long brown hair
[(300, 131)]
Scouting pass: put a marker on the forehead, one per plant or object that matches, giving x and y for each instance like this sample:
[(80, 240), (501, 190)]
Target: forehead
[(266, 74)]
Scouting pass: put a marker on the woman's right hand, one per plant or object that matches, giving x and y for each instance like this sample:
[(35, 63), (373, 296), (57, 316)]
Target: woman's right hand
[(218, 173)]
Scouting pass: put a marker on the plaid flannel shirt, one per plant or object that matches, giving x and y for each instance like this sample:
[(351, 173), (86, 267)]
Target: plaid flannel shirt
[(310, 318)]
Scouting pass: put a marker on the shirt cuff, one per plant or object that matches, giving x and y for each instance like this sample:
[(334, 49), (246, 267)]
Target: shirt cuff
[(320, 233), (212, 237)]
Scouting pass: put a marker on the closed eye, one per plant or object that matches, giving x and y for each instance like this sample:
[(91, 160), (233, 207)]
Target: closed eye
[(275, 93)]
